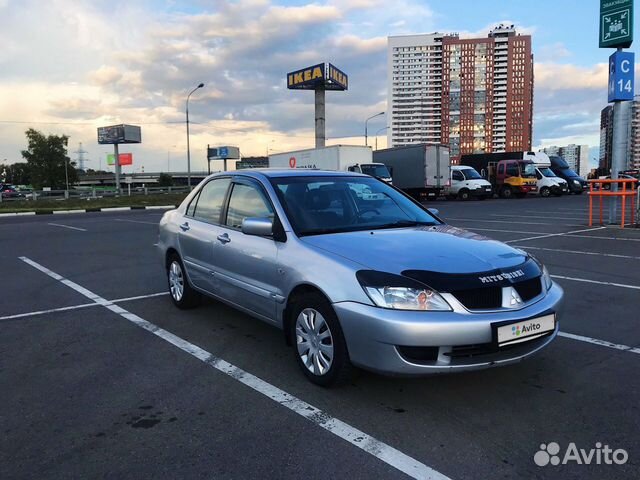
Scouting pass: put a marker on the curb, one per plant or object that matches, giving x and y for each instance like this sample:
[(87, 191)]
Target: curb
[(90, 210)]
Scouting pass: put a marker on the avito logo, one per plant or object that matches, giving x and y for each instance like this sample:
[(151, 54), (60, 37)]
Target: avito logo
[(517, 330)]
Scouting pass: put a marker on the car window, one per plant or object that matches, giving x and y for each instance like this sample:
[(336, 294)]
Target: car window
[(211, 199), (246, 201), (456, 175)]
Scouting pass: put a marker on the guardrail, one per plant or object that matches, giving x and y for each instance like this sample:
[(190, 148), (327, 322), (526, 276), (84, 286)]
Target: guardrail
[(623, 194), (89, 193)]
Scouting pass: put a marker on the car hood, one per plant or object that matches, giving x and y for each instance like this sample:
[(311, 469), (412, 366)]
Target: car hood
[(440, 248)]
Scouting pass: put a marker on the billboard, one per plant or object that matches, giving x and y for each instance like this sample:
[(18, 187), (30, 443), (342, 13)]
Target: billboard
[(321, 76), (119, 134), (218, 153), (123, 159)]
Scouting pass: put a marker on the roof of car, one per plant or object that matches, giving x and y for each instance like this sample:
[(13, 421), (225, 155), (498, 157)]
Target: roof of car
[(293, 172)]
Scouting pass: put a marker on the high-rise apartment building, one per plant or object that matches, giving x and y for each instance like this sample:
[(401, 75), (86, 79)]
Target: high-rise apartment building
[(632, 161), (476, 95), (576, 156)]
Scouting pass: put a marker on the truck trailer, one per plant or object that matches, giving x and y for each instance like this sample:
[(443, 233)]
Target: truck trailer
[(348, 158), (421, 170)]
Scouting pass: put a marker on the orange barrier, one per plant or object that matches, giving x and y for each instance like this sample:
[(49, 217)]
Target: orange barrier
[(622, 192)]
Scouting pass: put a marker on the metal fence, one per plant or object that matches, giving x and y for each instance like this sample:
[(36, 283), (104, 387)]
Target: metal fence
[(89, 193)]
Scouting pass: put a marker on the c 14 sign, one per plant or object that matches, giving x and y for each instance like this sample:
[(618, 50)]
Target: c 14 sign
[(621, 76)]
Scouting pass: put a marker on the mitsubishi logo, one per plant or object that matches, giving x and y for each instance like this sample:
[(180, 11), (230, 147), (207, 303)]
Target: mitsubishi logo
[(515, 298)]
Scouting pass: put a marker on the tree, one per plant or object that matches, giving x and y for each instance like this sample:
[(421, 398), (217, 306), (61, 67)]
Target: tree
[(165, 180), (18, 174), (48, 161)]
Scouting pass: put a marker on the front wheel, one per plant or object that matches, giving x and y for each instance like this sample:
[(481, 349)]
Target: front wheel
[(182, 294), (545, 192), (319, 345), (464, 194)]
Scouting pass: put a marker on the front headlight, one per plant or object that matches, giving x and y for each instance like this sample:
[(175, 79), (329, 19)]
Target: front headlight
[(400, 293), (546, 279), (576, 182)]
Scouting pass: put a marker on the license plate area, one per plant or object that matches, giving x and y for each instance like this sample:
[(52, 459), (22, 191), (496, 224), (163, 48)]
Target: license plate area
[(511, 333)]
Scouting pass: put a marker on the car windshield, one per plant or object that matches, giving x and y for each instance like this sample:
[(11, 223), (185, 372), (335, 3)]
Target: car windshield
[(471, 174), (375, 170), (570, 173), (528, 169), (331, 204), (546, 171)]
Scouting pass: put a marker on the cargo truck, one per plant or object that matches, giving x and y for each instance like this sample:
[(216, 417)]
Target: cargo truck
[(348, 158), (421, 170), (509, 173)]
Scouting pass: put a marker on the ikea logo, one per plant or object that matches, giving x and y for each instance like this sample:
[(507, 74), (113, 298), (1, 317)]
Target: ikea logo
[(337, 77), (306, 77)]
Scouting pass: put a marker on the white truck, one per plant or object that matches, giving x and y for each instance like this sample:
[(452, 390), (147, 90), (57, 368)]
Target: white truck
[(467, 183), (548, 182), (351, 158), (421, 170)]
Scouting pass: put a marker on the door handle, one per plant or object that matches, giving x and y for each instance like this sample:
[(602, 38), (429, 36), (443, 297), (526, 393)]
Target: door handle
[(224, 238), (185, 226)]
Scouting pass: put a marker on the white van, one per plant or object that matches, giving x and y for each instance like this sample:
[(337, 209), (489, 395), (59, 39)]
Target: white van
[(466, 182), (548, 182)]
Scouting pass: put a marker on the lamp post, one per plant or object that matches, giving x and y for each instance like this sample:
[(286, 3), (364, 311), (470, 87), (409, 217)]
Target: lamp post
[(188, 148), (381, 130), (365, 126)]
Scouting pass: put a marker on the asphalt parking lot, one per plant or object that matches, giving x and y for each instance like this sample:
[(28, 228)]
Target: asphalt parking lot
[(102, 377)]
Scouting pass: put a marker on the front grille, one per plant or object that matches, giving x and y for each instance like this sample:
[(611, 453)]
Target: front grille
[(529, 288), (419, 355), (480, 298), (477, 350)]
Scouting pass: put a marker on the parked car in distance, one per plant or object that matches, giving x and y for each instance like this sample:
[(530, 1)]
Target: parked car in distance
[(560, 167), (467, 183), (10, 191), (377, 281), (621, 176)]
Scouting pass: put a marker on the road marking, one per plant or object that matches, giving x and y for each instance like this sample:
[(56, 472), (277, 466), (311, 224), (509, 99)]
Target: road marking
[(161, 207), (621, 285), (503, 231), (602, 343), (359, 439), (548, 235), (58, 212), (136, 221), (606, 238), (566, 234), (16, 214), (67, 226), (577, 252), (77, 307), (547, 217), (503, 221)]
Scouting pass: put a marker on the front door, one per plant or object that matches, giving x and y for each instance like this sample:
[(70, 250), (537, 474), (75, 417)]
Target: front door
[(246, 265)]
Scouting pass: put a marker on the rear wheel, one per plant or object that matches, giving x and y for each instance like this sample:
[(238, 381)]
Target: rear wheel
[(319, 345), (506, 192), (182, 294)]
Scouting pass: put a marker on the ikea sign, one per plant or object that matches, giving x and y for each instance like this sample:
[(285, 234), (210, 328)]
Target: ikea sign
[(321, 76)]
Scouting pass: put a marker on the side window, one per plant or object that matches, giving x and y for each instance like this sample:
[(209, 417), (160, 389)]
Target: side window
[(457, 175), (246, 201), (512, 170), (501, 169), (211, 199), (192, 206), (538, 175)]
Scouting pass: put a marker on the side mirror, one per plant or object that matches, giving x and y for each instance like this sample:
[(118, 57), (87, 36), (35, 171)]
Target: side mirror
[(434, 211), (258, 226)]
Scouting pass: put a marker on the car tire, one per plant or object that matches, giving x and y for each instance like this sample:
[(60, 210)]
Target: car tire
[(181, 292), (318, 342), (506, 192), (545, 192), (464, 194)]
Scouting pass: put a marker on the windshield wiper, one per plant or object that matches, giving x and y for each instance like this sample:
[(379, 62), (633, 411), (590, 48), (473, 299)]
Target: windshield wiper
[(402, 223), (320, 231)]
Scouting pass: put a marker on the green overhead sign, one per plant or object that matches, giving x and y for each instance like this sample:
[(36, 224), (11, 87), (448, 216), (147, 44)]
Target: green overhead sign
[(616, 23)]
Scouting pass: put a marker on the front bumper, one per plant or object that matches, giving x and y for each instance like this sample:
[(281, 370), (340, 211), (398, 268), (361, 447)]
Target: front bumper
[(527, 188), (482, 192), (374, 336)]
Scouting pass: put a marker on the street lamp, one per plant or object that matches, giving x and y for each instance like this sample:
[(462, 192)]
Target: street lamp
[(365, 126), (188, 149), (381, 130)]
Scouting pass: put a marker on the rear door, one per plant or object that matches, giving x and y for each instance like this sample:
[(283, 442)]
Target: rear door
[(198, 230), (246, 265)]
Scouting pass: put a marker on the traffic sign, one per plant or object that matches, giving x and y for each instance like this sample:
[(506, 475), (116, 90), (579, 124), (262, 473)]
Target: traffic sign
[(616, 23), (621, 77)]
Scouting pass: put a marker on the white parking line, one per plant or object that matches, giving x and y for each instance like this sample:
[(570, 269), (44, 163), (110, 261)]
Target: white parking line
[(548, 235), (77, 307), (67, 226), (597, 282), (546, 217), (482, 220), (136, 221), (473, 229), (603, 343), (577, 252), (367, 443), (503, 231)]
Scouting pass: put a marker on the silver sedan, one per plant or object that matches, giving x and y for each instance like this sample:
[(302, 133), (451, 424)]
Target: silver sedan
[(356, 274)]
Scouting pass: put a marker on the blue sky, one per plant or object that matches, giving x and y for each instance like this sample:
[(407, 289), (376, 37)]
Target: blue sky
[(71, 65)]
